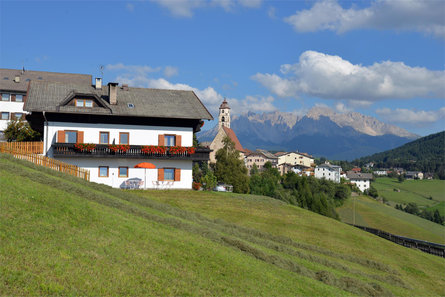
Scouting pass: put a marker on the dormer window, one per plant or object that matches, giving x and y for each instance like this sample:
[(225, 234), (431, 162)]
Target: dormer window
[(84, 103)]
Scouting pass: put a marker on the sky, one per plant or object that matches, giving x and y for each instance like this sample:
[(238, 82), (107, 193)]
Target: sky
[(381, 58)]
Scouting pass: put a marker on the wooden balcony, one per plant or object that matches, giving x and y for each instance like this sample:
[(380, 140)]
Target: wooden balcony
[(135, 151)]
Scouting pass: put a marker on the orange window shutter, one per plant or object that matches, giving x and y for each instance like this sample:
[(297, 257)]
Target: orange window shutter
[(79, 136), (161, 174), (161, 139), (177, 174), (178, 140), (60, 136)]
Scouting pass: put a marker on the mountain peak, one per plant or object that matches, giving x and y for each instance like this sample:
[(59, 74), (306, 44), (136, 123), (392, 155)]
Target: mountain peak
[(359, 122)]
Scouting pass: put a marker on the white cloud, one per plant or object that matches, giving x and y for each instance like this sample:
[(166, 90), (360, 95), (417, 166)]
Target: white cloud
[(342, 108), (408, 116), (140, 76), (185, 8), (170, 71), (330, 77), (426, 16)]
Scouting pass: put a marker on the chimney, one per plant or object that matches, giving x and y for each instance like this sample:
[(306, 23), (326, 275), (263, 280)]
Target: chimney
[(98, 84), (17, 79), (125, 87), (112, 93)]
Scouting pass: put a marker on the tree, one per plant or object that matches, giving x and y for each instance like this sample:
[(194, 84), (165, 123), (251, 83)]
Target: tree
[(208, 181), (254, 170), (401, 178), (437, 218), (230, 169), (20, 130), (373, 192)]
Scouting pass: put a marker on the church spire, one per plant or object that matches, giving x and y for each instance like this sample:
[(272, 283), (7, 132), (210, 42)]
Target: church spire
[(224, 115)]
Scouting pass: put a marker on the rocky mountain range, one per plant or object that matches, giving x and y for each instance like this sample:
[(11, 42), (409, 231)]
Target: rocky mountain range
[(321, 132)]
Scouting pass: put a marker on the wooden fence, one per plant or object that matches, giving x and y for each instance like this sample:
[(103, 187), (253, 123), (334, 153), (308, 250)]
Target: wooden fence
[(30, 151), (424, 246), (32, 147)]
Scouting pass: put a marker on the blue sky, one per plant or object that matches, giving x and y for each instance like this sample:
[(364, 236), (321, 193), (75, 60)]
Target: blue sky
[(382, 58)]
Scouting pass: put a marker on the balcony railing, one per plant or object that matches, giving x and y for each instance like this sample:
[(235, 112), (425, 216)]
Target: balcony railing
[(135, 151)]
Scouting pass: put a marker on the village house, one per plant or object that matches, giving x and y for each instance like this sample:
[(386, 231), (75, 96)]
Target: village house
[(295, 158), (361, 180), (381, 172), (328, 171), (259, 158), (414, 175), (224, 130), (109, 130), (14, 85)]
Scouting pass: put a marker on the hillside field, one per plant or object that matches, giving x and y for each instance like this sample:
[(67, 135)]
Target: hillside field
[(417, 191), (60, 235), (374, 214)]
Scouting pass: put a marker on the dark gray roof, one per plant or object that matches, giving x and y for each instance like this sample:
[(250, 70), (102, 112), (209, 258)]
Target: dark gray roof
[(358, 175), (267, 154), (50, 96), (7, 78)]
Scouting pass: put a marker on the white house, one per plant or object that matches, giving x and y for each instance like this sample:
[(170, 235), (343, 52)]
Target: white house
[(328, 171), (361, 180), (14, 85), (109, 130)]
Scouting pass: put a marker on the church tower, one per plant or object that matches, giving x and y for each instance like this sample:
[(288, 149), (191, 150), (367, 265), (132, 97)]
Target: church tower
[(224, 115)]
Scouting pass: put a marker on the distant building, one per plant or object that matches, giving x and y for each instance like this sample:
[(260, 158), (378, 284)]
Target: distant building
[(381, 172), (223, 131), (361, 180), (14, 85), (328, 171), (414, 175), (295, 158), (356, 169), (260, 157)]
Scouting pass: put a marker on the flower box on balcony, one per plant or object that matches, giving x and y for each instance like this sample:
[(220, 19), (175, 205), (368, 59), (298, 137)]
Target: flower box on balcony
[(85, 147)]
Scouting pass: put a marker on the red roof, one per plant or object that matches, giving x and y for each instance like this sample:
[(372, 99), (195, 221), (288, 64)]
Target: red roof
[(231, 134), (356, 169)]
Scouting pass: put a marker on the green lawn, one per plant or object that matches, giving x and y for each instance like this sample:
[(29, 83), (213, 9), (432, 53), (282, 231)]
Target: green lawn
[(60, 235), (372, 213)]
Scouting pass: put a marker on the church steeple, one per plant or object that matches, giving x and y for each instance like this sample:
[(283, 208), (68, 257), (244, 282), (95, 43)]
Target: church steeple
[(224, 115)]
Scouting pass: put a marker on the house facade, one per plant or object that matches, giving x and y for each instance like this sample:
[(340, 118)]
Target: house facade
[(328, 171), (110, 130), (361, 180), (295, 158), (259, 158), (13, 89)]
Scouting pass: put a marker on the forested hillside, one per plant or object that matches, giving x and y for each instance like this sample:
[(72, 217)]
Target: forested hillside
[(426, 154)]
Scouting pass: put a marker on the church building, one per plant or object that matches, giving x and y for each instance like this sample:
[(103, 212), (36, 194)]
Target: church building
[(223, 131)]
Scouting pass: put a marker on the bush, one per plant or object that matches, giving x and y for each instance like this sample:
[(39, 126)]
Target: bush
[(20, 131)]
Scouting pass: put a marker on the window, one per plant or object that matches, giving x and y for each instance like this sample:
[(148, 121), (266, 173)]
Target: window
[(104, 137), (70, 136), (123, 171), (169, 140), (5, 115), (169, 174), (124, 138), (18, 98), (5, 97), (18, 115), (103, 171), (83, 103)]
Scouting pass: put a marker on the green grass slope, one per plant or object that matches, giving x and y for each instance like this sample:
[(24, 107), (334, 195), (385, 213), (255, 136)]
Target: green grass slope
[(417, 191), (371, 213), (63, 236)]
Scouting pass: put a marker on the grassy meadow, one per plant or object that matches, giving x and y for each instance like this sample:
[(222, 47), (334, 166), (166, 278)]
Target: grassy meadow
[(425, 193), (372, 213), (60, 235)]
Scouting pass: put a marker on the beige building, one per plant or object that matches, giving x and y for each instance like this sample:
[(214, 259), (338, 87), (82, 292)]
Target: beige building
[(295, 159), (259, 158), (223, 131)]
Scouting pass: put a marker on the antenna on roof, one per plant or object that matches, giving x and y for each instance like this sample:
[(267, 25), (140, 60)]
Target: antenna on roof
[(101, 67)]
